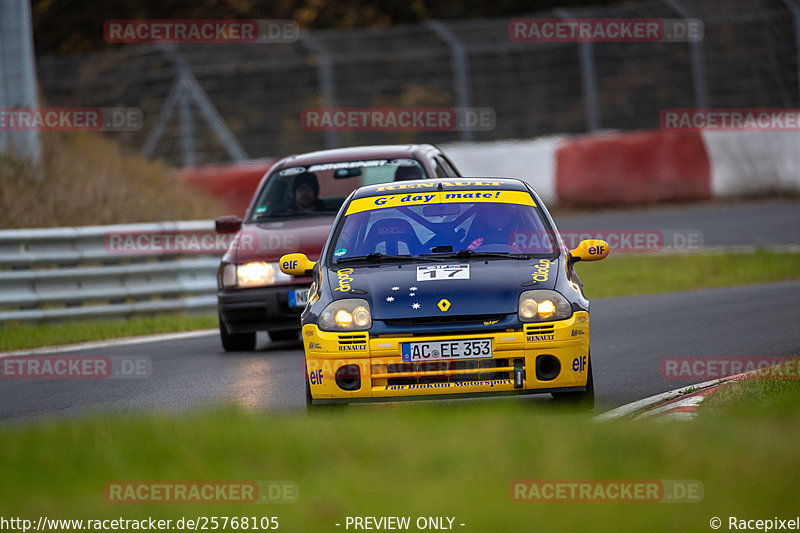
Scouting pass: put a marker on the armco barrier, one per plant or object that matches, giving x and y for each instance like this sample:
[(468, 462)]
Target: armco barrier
[(64, 273), (633, 168)]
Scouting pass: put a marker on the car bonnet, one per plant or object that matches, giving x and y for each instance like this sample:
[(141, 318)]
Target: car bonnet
[(474, 287)]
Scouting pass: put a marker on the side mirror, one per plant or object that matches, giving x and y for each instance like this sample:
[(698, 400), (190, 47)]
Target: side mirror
[(590, 250), (296, 264), (228, 224)]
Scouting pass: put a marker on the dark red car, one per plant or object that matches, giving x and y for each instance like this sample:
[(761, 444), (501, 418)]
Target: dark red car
[(292, 211)]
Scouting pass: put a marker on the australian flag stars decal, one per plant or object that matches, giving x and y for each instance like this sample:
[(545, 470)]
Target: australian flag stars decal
[(412, 292)]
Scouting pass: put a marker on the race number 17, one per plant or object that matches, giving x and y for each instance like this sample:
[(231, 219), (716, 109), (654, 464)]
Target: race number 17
[(442, 272)]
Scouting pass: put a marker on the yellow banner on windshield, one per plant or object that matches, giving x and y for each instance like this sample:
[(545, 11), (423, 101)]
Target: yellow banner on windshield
[(439, 197)]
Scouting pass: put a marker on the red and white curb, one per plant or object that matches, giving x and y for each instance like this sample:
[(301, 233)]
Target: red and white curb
[(678, 404), (684, 408)]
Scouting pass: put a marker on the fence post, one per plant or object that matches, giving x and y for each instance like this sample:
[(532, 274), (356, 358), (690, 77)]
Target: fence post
[(18, 78), (795, 9), (163, 116), (460, 69), (696, 59), (187, 130), (325, 75), (184, 91), (588, 77)]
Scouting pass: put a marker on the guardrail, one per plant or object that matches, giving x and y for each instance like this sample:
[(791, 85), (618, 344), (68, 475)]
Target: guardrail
[(80, 272)]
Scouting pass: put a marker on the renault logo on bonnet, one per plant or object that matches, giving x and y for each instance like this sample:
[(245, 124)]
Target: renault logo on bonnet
[(443, 304)]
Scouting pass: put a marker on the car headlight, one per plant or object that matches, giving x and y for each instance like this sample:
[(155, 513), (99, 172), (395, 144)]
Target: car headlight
[(253, 274), (350, 314), (543, 306)]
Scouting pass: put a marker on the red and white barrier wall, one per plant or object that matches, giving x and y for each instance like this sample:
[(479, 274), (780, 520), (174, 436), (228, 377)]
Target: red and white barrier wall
[(641, 167), (745, 163), (613, 168)]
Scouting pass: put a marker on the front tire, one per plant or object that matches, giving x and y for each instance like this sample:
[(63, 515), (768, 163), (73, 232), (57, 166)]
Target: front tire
[(582, 399), (236, 342), (309, 398)]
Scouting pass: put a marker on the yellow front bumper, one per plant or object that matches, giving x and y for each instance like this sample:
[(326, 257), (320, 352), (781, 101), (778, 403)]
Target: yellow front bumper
[(384, 375)]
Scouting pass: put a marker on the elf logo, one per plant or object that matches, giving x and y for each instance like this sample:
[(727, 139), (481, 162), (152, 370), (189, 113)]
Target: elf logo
[(579, 364)]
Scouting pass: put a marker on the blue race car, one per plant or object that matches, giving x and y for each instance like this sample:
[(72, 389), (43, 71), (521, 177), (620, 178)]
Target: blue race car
[(445, 288)]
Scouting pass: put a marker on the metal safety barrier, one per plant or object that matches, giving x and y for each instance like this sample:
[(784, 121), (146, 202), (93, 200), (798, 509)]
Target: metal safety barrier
[(108, 271)]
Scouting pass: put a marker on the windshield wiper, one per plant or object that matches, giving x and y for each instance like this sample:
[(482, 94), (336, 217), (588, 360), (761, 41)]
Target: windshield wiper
[(375, 257), (471, 254)]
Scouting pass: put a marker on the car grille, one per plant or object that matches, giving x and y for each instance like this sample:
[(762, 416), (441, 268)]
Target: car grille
[(445, 371), (539, 330), (349, 340)]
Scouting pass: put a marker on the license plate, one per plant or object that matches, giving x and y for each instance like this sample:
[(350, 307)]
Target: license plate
[(298, 298), (414, 352)]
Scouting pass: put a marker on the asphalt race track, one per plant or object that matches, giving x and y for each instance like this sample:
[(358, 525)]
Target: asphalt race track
[(760, 223), (630, 335)]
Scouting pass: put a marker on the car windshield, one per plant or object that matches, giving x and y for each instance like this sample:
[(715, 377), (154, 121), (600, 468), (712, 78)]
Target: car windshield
[(320, 189), (442, 231)]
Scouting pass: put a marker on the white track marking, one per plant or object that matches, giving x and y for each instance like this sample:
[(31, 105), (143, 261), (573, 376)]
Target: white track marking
[(114, 342)]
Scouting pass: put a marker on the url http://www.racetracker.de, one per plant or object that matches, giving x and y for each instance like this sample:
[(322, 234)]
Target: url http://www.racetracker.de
[(197, 523)]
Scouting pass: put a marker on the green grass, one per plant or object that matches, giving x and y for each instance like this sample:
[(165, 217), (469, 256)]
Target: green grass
[(759, 395), (625, 275), (454, 459), (16, 336)]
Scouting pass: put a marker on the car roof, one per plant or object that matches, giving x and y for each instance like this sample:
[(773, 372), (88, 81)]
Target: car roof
[(356, 152), (450, 184)]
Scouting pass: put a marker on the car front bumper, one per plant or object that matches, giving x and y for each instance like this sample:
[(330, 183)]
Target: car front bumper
[(259, 309), (337, 358)]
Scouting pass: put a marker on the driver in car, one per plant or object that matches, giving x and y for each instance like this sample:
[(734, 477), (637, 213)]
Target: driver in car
[(405, 173), (493, 226), (306, 192)]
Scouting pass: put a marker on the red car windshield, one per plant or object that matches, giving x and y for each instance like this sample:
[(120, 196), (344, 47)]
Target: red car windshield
[(320, 189)]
